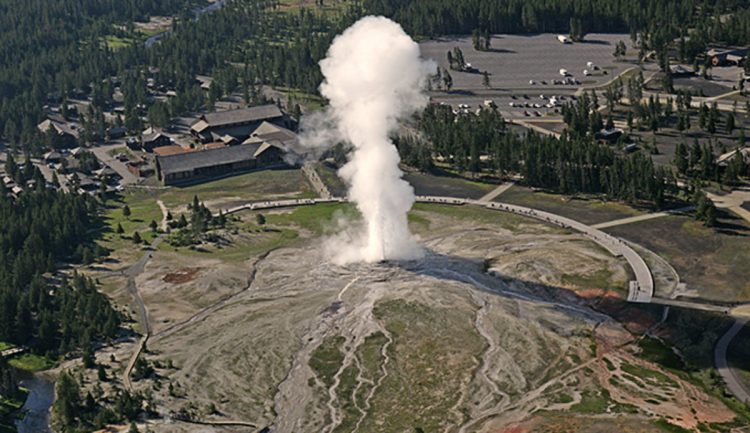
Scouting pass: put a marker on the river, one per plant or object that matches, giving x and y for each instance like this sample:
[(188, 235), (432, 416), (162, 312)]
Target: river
[(38, 403), (215, 6)]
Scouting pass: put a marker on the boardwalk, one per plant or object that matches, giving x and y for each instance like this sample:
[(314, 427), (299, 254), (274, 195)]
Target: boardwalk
[(495, 193), (640, 218), (641, 290), (7, 353)]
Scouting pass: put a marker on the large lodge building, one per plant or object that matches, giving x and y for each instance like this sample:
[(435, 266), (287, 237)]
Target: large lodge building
[(238, 123), (230, 141)]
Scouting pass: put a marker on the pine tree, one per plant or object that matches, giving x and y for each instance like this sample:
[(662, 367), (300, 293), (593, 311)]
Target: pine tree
[(681, 158), (730, 123), (68, 396)]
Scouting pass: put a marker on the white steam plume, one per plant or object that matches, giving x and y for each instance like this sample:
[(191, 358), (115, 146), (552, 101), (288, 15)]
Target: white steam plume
[(374, 77)]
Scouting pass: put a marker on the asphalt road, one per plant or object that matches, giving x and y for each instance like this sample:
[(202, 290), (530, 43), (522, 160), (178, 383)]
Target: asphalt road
[(102, 153), (722, 365)]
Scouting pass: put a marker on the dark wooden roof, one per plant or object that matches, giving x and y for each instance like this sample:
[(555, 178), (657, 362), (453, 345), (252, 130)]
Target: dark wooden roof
[(242, 115), (206, 158)]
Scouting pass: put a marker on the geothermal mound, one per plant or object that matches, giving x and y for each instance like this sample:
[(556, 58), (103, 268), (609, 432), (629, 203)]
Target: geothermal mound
[(438, 344)]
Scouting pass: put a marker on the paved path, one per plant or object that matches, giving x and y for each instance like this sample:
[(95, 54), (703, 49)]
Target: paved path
[(635, 219), (536, 128), (496, 192), (693, 305), (733, 201), (312, 176), (722, 365), (723, 95), (102, 154)]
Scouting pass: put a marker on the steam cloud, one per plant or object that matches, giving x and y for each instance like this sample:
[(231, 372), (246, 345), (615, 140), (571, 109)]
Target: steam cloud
[(374, 76)]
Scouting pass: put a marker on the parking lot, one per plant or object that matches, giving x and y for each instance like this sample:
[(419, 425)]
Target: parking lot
[(515, 62)]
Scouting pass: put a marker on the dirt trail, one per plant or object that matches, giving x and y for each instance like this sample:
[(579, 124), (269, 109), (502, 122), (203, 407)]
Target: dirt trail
[(132, 273), (164, 213)]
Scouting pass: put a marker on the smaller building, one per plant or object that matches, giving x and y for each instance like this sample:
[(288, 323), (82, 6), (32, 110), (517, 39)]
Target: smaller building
[(76, 152), (116, 132), (139, 168), (726, 56), (105, 173), (67, 135), (681, 71), (151, 139), (52, 156), (609, 135)]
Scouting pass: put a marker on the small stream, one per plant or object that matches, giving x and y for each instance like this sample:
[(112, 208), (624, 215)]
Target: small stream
[(38, 403)]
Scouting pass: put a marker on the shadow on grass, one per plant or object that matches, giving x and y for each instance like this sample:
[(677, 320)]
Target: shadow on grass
[(594, 42), (731, 224), (501, 51)]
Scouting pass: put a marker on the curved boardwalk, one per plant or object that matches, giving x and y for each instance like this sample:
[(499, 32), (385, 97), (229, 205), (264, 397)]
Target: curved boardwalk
[(641, 290)]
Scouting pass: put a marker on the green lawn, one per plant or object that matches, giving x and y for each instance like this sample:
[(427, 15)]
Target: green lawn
[(309, 101), (319, 218), (143, 209), (713, 261), (588, 211), (241, 250), (505, 220), (116, 43), (253, 186), (330, 7), (449, 185), (32, 363), (5, 346)]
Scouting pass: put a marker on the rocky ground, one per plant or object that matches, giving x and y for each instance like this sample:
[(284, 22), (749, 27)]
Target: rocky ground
[(491, 332)]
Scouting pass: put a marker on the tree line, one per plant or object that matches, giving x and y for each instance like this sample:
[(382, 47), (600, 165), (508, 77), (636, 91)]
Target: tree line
[(39, 230), (571, 164), (439, 17)]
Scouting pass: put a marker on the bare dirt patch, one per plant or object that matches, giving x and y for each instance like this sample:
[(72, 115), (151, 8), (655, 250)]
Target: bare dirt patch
[(181, 276)]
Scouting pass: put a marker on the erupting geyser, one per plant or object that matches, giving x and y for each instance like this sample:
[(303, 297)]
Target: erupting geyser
[(374, 76)]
